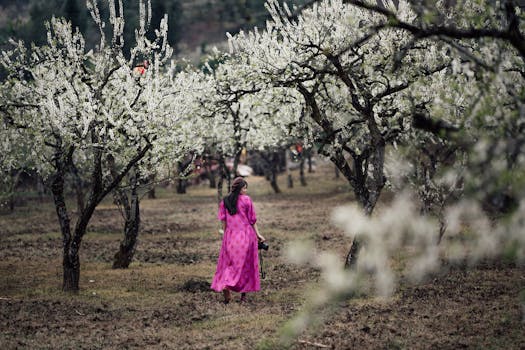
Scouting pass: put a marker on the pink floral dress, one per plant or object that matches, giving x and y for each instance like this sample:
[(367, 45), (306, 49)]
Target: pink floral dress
[(238, 265)]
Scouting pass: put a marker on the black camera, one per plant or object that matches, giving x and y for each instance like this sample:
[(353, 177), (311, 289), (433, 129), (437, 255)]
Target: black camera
[(263, 245)]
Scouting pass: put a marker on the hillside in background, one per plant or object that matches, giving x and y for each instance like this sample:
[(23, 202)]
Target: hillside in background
[(194, 25)]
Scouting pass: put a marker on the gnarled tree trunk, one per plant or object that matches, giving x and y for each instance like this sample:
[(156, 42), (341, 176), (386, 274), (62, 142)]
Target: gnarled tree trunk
[(70, 261), (131, 209)]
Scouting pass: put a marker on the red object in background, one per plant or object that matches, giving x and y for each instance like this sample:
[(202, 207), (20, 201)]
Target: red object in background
[(140, 70)]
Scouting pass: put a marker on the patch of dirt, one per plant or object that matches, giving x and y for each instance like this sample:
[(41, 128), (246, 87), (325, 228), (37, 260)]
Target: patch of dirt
[(477, 308), (195, 285)]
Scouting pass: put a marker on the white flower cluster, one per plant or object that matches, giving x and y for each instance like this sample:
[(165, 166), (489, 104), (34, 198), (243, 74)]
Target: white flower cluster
[(62, 96)]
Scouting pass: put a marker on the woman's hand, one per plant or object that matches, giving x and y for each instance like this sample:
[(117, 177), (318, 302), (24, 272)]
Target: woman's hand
[(259, 237)]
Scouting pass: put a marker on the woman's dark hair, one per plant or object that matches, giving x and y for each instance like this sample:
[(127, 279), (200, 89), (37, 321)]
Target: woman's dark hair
[(230, 201)]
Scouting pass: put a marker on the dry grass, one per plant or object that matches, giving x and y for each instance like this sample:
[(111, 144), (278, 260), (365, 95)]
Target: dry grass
[(162, 301)]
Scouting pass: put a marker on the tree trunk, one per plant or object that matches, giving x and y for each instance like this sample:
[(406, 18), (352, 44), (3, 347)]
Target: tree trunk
[(351, 257), (222, 175), (71, 267), (274, 168), (70, 261), (151, 193), (271, 169), (236, 161), (123, 257), (219, 189), (181, 181), (226, 173), (288, 173), (181, 186), (213, 182), (366, 190), (211, 174), (273, 183), (301, 172), (11, 201), (71, 243), (309, 156)]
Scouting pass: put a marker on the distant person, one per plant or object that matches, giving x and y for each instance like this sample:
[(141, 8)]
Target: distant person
[(141, 68), (238, 265)]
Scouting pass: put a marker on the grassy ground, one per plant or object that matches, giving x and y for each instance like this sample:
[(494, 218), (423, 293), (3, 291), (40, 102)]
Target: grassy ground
[(163, 300)]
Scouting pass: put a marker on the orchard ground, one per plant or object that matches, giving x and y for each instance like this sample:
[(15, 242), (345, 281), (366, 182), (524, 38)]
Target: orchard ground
[(163, 300)]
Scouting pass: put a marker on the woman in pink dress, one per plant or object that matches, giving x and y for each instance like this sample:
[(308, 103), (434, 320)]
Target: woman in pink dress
[(238, 265)]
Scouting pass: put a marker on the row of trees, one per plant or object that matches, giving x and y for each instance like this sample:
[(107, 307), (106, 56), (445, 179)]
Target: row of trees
[(415, 97), (88, 120)]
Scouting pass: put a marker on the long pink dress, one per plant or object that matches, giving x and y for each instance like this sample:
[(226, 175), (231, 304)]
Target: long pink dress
[(238, 265)]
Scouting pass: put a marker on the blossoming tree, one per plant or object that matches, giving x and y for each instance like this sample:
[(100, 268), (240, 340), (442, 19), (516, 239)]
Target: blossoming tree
[(242, 116), (357, 103), (475, 114), (88, 109)]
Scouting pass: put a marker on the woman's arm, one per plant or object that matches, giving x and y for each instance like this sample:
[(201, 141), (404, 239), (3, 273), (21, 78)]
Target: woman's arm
[(223, 227), (259, 237)]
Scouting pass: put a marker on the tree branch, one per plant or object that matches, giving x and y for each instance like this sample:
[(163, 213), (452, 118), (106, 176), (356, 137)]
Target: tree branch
[(117, 179)]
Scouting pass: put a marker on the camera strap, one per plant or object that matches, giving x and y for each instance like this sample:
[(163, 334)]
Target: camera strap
[(263, 273)]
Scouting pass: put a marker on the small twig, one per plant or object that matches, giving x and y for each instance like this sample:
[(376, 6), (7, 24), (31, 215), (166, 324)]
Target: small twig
[(80, 313), (3, 298), (319, 345)]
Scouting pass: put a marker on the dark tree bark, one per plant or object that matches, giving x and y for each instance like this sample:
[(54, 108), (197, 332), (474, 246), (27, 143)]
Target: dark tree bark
[(182, 182), (181, 186), (367, 188), (224, 173), (509, 33), (271, 168), (151, 193), (308, 153), (351, 257), (238, 144), (220, 184), (287, 158), (302, 178), (276, 163), (70, 262), (211, 177), (97, 192), (131, 209)]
